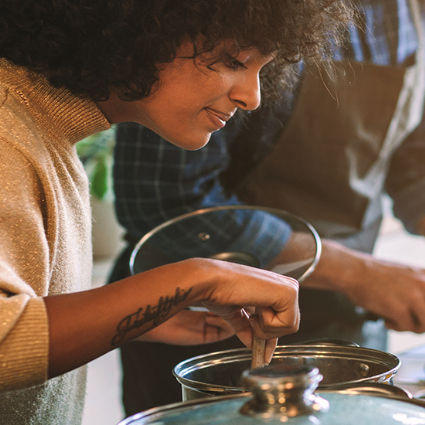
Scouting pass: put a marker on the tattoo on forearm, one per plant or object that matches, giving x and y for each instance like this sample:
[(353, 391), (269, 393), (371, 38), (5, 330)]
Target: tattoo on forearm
[(150, 314)]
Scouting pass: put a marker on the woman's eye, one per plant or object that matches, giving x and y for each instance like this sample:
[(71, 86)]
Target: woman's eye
[(235, 65)]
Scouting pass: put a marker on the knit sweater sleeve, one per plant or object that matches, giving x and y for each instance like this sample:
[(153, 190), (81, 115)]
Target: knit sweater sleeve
[(24, 273)]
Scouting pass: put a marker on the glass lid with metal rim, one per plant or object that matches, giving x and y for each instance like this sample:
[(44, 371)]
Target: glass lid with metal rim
[(255, 236)]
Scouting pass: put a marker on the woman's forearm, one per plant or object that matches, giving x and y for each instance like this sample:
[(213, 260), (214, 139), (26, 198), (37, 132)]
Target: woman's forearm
[(86, 325)]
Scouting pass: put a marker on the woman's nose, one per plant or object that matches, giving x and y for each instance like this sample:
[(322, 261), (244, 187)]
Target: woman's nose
[(246, 93)]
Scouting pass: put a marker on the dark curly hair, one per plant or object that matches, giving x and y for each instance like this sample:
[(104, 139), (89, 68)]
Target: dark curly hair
[(92, 46)]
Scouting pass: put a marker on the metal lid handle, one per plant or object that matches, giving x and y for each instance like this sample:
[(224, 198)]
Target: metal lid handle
[(280, 391)]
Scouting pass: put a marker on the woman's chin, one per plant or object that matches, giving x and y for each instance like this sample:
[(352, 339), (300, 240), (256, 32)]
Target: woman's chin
[(192, 143)]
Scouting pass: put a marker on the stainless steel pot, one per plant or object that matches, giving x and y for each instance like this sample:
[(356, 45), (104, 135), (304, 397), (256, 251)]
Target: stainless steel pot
[(281, 394), (220, 373)]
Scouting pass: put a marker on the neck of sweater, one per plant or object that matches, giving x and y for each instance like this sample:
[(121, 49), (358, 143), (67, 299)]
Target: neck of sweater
[(72, 116)]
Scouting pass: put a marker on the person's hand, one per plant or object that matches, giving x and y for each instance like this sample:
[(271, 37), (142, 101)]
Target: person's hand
[(274, 296), (190, 328), (227, 289), (392, 291)]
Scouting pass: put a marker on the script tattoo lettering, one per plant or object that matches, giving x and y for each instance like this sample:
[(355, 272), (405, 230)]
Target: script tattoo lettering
[(150, 314)]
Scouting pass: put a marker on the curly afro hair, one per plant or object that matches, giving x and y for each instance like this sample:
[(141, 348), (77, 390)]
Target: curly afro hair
[(94, 46)]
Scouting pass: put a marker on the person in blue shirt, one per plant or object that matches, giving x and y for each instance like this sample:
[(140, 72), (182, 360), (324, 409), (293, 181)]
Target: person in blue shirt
[(329, 151)]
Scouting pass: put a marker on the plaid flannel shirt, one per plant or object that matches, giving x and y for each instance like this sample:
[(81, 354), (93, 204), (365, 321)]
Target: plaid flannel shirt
[(155, 181)]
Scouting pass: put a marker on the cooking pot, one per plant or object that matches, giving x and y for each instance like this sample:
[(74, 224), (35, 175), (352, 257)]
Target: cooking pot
[(220, 373), (285, 394)]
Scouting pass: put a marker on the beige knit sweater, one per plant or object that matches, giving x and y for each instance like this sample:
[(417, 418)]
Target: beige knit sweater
[(45, 240)]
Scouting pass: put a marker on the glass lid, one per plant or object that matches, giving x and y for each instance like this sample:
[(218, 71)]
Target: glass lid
[(255, 236)]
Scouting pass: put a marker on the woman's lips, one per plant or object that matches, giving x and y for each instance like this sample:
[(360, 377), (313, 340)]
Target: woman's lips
[(219, 119)]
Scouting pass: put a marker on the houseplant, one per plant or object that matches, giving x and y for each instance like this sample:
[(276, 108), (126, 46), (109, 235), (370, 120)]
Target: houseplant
[(97, 154)]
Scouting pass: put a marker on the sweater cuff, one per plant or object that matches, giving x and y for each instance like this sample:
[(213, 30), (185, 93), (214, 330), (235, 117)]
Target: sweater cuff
[(24, 353)]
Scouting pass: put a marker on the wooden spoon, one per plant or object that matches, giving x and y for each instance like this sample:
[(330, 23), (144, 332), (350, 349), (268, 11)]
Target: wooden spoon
[(258, 352)]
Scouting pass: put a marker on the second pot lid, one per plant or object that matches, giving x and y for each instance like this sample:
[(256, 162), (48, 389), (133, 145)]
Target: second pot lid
[(286, 395), (344, 410)]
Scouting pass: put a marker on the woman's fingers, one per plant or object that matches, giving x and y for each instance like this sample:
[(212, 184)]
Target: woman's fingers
[(238, 286), (190, 328), (267, 323), (239, 321), (270, 348), (216, 328)]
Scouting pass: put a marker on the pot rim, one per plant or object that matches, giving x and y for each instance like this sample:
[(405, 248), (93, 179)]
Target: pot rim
[(366, 355)]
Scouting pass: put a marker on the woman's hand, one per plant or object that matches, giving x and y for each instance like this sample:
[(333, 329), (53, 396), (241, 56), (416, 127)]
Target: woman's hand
[(274, 296), (190, 328)]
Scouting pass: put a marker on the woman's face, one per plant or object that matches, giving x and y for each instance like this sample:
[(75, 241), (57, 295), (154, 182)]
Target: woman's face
[(191, 100)]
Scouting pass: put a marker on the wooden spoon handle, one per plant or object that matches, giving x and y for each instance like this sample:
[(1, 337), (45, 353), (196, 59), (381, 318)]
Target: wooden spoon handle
[(258, 352)]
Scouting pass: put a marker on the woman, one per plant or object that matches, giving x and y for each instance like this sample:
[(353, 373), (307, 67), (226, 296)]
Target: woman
[(70, 69)]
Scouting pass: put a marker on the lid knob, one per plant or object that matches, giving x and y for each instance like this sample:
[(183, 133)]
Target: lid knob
[(281, 391)]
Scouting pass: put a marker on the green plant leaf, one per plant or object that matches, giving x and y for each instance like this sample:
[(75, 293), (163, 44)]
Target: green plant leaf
[(99, 179), (96, 153)]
